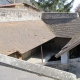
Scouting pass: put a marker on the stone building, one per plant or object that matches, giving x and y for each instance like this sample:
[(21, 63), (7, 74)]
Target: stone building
[(37, 37), (27, 33), (18, 4)]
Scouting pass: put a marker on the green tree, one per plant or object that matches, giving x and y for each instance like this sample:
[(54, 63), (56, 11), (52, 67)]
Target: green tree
[(55, 5)]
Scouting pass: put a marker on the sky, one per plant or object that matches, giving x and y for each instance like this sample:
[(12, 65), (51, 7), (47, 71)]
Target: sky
[(75, 4)]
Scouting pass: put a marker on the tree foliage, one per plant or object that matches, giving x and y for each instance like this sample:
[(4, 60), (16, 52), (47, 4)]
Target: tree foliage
[(55, 5)]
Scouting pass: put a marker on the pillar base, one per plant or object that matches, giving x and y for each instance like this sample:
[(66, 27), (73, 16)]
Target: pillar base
[(65, 58)]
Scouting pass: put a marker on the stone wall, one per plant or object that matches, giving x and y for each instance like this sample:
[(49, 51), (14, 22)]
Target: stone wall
[(52, 15), (7, 15)]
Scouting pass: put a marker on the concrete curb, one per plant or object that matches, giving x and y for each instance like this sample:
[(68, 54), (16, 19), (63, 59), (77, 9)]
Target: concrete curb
[(38, 69)]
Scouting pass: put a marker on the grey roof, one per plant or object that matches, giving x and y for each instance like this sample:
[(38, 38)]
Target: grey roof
[(70, 45), (4, 2), (64, 27), (23, 36)]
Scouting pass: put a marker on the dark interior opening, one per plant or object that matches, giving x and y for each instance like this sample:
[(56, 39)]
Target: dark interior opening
[(75, 52), (51, 48), (53, 58)]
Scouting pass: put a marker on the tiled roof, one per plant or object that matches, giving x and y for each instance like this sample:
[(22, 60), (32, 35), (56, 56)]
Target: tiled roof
[(64, 27), (23, 36), (70, 45)]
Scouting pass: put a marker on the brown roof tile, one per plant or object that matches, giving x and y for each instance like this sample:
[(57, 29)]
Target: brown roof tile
[(23, 36)]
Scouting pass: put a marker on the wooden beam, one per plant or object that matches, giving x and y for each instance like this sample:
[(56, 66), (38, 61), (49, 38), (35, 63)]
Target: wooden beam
[(42, 54)]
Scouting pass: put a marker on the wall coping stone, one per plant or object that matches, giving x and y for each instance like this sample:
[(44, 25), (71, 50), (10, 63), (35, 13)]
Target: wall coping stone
[(37, 69)]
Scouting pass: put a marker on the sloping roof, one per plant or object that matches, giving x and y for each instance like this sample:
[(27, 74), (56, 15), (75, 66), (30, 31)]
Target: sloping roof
[(23, 36), (4, 2), (64, 27), (70, 45)]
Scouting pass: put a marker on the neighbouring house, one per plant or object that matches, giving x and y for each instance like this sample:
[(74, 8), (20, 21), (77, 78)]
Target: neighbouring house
[(18, 5)]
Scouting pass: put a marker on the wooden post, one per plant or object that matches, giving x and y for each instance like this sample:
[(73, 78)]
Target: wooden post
[(42, 54), (65, 58)]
